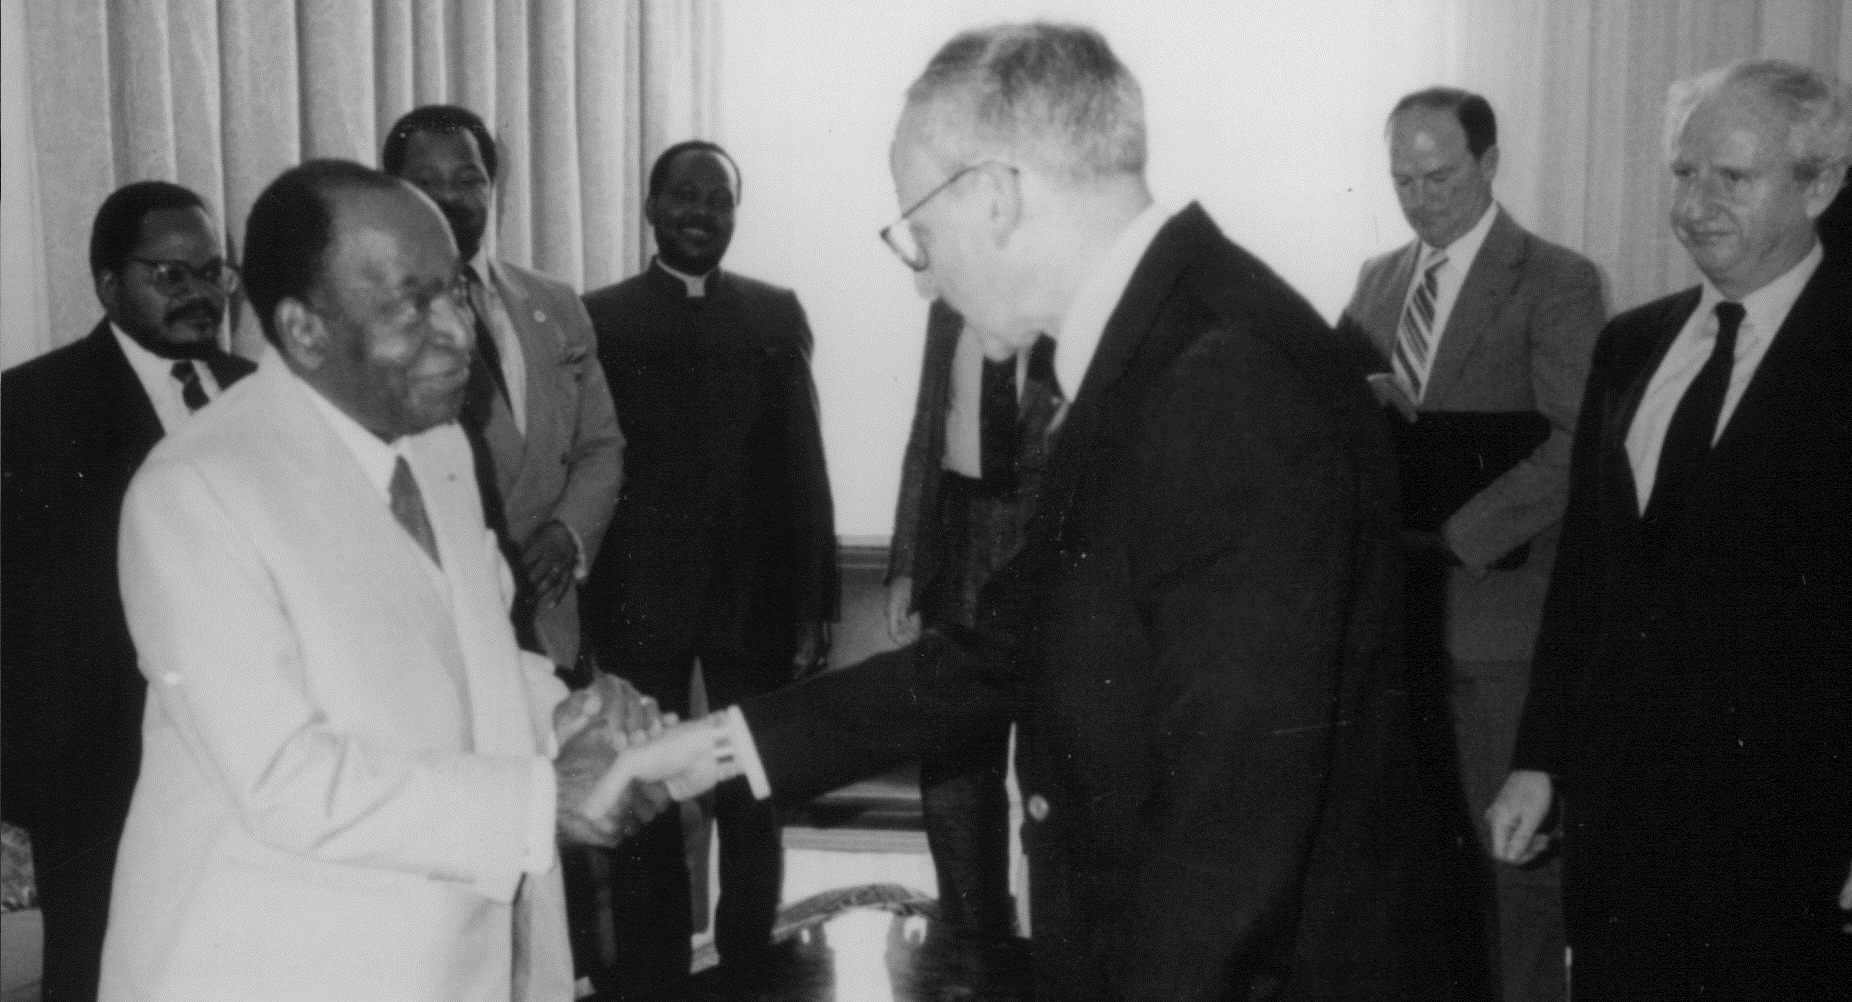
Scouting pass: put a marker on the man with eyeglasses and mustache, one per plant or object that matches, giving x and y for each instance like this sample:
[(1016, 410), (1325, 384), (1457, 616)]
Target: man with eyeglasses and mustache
[(77, 422)]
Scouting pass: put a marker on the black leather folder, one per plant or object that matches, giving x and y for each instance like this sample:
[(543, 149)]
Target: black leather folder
[(1449, 456)]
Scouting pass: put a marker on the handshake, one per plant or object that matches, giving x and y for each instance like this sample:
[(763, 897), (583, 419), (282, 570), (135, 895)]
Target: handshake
[(622, 761)]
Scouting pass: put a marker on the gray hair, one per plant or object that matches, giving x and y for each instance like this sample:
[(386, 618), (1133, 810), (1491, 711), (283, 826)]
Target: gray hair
[(1051, 96), (1818, 108)]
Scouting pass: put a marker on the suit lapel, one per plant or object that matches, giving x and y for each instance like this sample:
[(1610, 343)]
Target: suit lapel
[(138, 427), (1387, 321), (1074, 441), (491, 664), (1821, 309), (1494, 274), (356, 538)]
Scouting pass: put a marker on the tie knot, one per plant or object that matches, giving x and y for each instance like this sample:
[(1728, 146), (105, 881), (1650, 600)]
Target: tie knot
[(1435, 260), (184, 371), (469, 274), (1729, 318)]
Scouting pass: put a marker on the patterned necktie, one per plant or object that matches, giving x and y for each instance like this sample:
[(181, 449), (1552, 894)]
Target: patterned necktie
[(408, 507), (1414, 337), (1694, 425), (191, 391)]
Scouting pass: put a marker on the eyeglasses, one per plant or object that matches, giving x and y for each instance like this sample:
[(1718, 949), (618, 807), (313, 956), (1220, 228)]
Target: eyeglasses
[(898, 235), (173, 278)]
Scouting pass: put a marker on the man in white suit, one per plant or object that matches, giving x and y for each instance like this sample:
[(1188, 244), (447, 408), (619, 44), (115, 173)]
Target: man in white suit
[(348, 788)]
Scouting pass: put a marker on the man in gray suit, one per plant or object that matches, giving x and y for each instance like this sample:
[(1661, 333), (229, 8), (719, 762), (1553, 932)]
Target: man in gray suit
[(1479, 315), (549, 453)]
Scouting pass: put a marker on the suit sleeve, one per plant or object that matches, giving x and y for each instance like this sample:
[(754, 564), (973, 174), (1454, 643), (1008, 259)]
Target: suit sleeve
[(1242, 570), (228, 673), (845, 725), (1563, 323), (928, 407), (596, 456), (813, 515), (1572, 606)]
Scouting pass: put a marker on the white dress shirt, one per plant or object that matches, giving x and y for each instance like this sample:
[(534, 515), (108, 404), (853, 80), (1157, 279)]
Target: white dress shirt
[(377, 459), (507, 342), (1075, 345), (1448, 281), (156, 375), (1763, 313), (964, 405)]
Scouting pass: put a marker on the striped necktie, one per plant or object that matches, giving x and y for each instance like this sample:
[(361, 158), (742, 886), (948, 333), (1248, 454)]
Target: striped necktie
[(1414, 338)]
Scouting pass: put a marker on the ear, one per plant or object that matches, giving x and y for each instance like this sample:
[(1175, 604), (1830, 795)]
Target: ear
[(302, 335), (1821, 191), (108, 285), (650, 207), (1006, 202), (1488, 163)]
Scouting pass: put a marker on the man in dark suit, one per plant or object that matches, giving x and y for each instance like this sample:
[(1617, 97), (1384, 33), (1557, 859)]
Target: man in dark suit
[(1693, 679), (724, 541), (967, 487), (77, 423), (538, 405), (1476, 314), (1197, 638)]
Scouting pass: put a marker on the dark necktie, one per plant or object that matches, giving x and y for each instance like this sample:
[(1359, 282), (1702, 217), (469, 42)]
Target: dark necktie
[(485, 372), (1688, 438), (408, 507), (191, 391), (998, 443)]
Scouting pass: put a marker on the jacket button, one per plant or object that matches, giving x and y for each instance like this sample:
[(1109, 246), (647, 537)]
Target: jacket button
[(1038, 808)]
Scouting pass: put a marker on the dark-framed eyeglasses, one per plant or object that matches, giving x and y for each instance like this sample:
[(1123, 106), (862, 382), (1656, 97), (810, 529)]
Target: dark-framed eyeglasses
[(898, 235), (173, 278)]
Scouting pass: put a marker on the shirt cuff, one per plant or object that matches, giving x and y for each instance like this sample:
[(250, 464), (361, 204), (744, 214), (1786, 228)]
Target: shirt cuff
[(580, 568), (542, 819), (746, 754)]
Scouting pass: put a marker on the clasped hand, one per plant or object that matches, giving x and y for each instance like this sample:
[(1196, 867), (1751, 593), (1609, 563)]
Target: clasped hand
[(622, 762)]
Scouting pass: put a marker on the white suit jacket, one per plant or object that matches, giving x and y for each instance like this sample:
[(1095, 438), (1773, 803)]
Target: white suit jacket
[(338, 758)]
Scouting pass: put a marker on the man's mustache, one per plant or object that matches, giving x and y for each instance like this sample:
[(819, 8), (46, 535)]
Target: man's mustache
[(198, 310)]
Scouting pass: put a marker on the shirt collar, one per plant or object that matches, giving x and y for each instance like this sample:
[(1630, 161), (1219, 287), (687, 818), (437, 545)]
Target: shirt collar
[(1766, 308), (376, 458), (480, 263), (696, 284), (1465, 247), (147, 364), (1085, 321)]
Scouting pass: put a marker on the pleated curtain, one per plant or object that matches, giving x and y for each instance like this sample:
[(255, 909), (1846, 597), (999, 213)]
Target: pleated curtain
[(222, 95), (1580, 89)]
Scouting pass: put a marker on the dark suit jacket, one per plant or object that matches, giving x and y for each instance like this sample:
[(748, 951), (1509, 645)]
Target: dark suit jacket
[(1697, 711), (76, 426), (1197, 644), (724, 534), (1518, 339)]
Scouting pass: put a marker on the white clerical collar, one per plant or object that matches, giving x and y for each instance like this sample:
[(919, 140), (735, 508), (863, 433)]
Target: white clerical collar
[(697, 284), (1765, 309), (1085, 321), (376, 457), (1465, 247)]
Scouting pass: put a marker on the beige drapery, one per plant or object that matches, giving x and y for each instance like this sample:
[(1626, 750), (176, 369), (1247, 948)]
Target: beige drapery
[(222, 95), (1580, 87)]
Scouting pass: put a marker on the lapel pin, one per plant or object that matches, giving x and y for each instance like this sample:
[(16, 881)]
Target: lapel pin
[(540, 316)]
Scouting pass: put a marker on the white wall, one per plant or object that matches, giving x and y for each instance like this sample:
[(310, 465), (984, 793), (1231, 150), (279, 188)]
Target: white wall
[(1268, 112)]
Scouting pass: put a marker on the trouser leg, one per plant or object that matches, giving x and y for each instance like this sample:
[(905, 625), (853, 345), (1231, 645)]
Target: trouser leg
[(966, 814), (1488, 701), (73, 872)]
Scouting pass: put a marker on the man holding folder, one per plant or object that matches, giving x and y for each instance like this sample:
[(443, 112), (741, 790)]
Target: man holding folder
[(1477, 315)]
